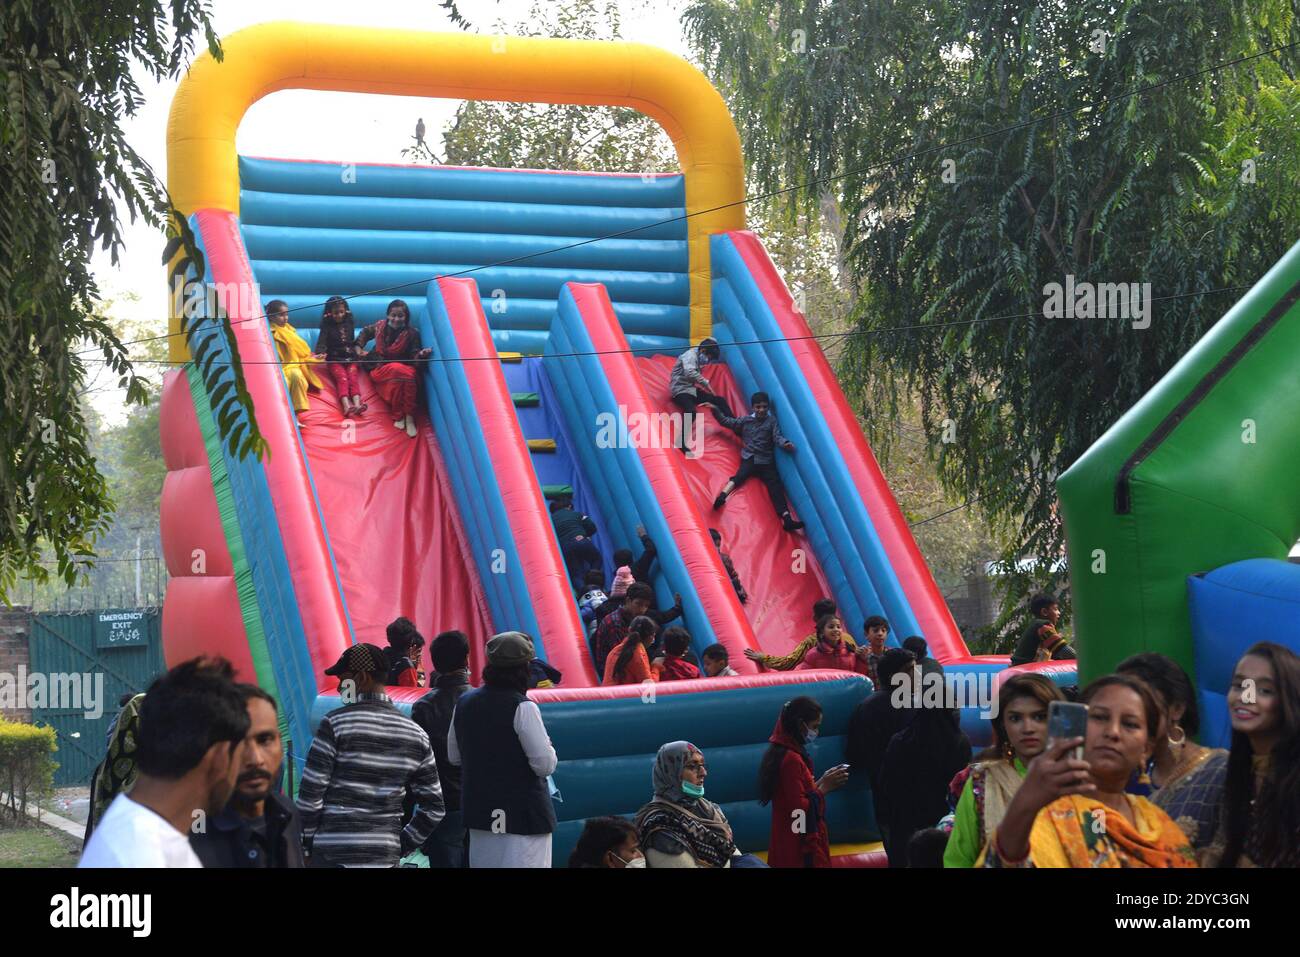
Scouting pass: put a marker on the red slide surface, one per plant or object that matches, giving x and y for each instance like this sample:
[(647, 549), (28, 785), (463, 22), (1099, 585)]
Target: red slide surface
[(392, 523), (776, 567)]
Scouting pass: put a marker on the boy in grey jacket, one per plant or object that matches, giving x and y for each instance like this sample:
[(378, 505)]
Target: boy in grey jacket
[(761, 435)]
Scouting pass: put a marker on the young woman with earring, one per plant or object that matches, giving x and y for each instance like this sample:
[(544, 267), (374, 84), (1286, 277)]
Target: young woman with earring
[(1184, 779), (1020, 730), (1260, 823)]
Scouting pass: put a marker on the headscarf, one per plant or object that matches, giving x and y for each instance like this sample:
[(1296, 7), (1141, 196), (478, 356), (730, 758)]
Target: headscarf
[(667, 774), (782, 738), (695, 822), (393, 343)]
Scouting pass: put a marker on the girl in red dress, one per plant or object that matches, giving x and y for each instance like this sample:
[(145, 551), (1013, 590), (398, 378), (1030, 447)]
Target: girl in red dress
[(395, 362), (785, 780)]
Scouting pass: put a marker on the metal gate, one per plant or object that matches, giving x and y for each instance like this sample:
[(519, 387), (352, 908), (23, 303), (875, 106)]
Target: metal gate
[(88, 661)]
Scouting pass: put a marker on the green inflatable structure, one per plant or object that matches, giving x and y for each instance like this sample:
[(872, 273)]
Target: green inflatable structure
[(1204, 470)]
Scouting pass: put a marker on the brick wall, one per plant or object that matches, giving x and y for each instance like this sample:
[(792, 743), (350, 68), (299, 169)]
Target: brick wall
[(15, 625)]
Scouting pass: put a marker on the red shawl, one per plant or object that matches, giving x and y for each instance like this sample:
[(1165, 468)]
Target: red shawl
[(799, 837)]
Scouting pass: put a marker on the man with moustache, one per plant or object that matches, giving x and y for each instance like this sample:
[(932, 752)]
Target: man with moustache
[(259, 827)]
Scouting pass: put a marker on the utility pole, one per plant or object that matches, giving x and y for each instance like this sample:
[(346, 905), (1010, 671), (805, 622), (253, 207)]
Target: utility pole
[(138, 599)]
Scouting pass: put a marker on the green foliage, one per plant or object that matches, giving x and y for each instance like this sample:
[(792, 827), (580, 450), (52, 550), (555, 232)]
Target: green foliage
[(546, 136), (212, 343), (65, 86), (27, 766), (1053, 170)]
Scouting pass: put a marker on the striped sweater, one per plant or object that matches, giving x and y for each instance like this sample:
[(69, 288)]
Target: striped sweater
[(364, 760)]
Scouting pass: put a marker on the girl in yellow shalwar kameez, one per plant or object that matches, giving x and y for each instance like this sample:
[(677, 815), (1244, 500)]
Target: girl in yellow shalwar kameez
[(294, 353)]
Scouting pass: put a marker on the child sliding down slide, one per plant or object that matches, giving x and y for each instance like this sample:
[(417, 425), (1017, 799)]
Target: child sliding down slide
[(397, 351), (337, 345), (761, 435)]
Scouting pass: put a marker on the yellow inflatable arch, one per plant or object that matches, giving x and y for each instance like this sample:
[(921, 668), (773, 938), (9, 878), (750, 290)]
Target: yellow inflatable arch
[(213, 98)]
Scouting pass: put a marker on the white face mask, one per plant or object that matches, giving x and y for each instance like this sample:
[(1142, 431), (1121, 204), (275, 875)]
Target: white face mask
[(635, 862)]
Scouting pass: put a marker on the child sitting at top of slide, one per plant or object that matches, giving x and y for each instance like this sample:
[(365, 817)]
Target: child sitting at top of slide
[(394, 362), (337, 345), (760, 435)]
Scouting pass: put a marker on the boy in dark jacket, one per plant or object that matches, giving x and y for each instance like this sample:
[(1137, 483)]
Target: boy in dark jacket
[(450, 653), (761, 435), (574, 531)]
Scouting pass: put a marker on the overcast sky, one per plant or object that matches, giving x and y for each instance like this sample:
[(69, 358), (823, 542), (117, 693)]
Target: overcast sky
[(307, 124)]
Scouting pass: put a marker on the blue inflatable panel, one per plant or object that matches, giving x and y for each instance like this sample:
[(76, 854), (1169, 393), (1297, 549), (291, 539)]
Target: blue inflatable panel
[(565, 224), (1232, 608), (410, 246), (545, 421), (442, 182), (607, 750), (411, 279), (374, 233)]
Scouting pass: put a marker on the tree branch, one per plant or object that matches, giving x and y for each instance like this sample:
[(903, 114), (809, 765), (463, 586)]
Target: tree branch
[(1033, 215)]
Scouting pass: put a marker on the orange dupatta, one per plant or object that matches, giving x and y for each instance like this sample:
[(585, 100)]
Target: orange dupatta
[(1077, 831)]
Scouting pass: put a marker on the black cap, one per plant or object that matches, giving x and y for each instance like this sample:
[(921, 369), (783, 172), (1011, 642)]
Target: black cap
[(361, 659)]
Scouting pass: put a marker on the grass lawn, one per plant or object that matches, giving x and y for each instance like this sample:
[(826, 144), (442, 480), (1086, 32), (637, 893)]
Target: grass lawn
[(37, 846)]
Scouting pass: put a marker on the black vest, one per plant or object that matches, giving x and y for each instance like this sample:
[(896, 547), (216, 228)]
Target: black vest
[(499, 791)]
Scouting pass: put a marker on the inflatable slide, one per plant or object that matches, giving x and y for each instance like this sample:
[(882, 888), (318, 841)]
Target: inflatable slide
[(554, 304)]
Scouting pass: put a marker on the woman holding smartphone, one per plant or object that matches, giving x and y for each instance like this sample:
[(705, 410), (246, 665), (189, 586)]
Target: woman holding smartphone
[(785, 780), (1020, 733), (1074, 812)]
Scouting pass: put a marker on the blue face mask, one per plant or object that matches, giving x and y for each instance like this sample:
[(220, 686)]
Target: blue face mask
[(809, 736), (692, 790)]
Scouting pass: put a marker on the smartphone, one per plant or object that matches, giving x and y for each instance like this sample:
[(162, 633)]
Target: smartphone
[(1065, 719)]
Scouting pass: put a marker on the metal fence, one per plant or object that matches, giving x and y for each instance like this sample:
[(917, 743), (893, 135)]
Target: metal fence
[(111, 581)]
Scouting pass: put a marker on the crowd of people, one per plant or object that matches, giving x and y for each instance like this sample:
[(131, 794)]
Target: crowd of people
[(194, 774)]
